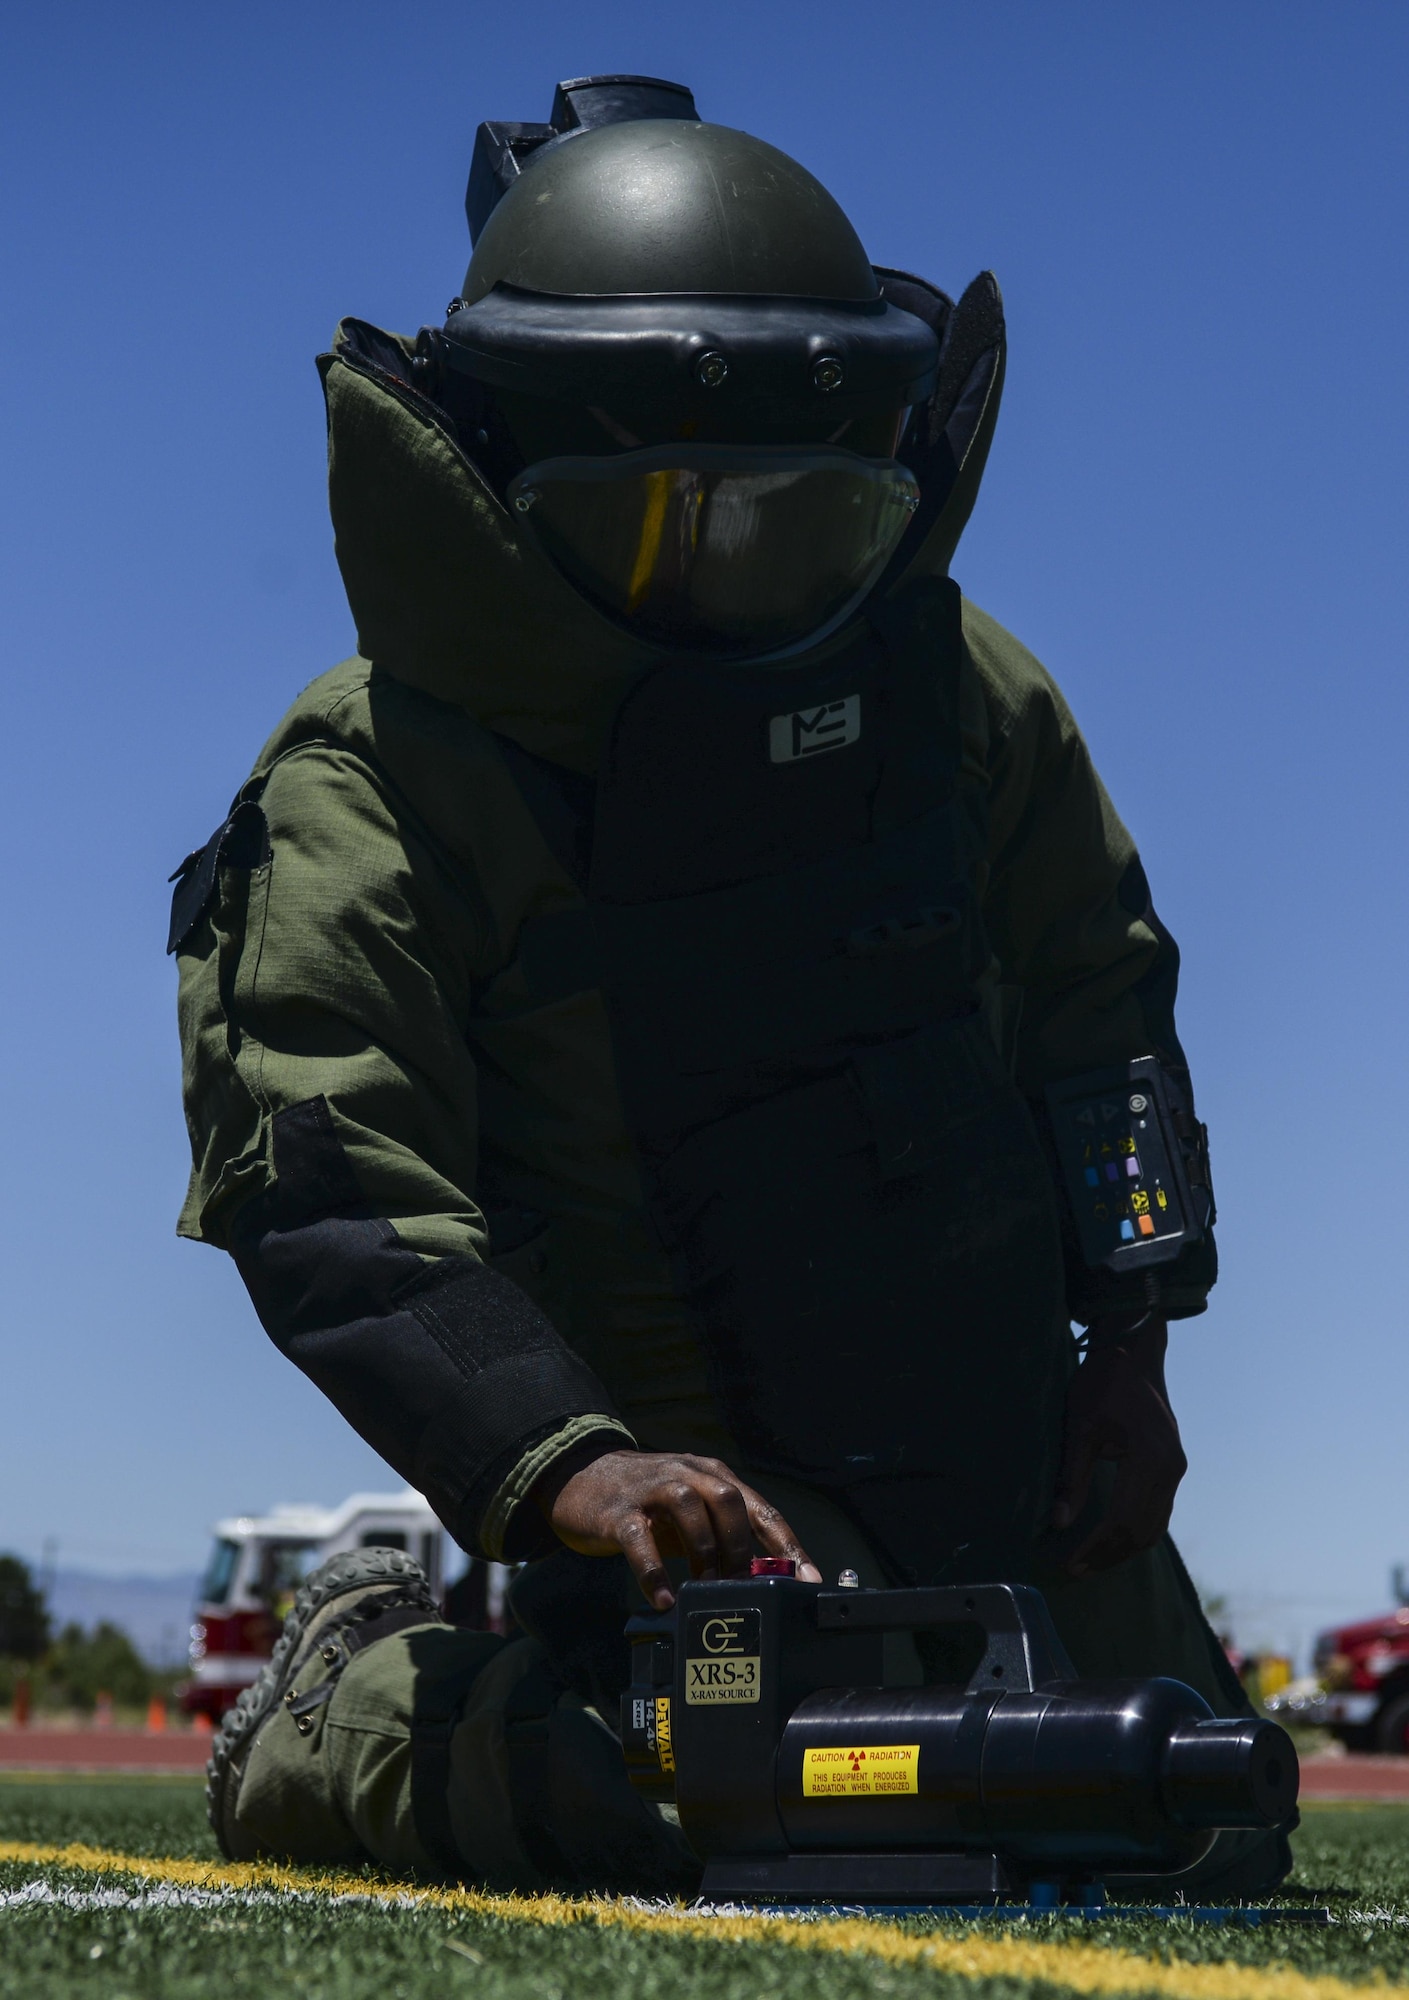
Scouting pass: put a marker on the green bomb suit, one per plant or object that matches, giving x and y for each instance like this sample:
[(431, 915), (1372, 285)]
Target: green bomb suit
[(529, 1135)]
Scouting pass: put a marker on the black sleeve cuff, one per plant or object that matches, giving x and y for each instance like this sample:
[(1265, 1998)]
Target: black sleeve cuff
[(448, 1370), (525, 1535)]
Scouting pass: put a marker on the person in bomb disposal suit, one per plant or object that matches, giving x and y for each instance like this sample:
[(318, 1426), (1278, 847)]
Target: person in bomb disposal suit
[(664, 1024)]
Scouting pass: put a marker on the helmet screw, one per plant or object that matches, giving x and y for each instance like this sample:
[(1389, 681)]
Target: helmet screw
[(848, 1580), (523, 501), (304, 1724), (827, 373), (711, 369), (330, 1654)]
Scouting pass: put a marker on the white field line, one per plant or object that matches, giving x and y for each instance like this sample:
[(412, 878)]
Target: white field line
[(184, 1895)]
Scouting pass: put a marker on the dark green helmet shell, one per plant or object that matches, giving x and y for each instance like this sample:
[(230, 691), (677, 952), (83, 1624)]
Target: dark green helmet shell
[(667, 205), (641, 277)]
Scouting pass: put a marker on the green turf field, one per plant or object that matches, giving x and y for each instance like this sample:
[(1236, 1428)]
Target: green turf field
[(126, 1925)]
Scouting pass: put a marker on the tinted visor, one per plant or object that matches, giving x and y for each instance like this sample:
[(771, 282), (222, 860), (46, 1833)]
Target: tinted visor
[(720, 548)]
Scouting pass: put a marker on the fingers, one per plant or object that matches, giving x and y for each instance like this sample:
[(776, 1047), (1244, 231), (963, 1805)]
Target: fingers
[(729, 1517), (1141, 1502), (682, 1505), (775, 1534), (638, 1544), (651, 1506), (736, 1515), (1079, 1457), (697, 1512)]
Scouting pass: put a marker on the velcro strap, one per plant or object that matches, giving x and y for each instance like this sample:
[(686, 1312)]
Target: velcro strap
[(398, 1619), (242, 841), (316, 1697)]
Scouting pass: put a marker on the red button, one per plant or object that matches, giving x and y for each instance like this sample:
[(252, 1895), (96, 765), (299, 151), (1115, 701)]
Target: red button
[(772, 1566)]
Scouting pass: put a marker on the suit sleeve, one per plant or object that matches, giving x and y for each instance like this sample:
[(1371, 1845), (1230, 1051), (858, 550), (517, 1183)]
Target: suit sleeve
[(331, 1103), (1071, 920)]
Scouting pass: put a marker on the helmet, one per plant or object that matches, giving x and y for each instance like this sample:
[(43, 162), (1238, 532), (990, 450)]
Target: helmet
[(675, 363)]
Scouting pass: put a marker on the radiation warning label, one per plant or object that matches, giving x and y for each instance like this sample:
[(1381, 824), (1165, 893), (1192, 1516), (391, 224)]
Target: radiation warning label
[(868, 1770)]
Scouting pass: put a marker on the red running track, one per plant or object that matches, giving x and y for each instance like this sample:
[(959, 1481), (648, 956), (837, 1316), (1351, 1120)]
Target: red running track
[(1366, 1778), (103, 1750)]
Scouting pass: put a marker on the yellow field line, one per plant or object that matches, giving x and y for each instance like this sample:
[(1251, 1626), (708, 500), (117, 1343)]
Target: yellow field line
[(1080, 1968)]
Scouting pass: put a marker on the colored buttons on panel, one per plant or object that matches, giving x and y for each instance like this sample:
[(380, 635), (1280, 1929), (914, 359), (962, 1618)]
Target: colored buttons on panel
[(1121, 1168)]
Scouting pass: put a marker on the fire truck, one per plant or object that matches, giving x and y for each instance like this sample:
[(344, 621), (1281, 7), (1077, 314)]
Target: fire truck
[(1361, 1687), (257, 1564)]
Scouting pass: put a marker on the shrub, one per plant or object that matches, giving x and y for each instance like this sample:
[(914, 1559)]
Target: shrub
[(24, 1622), (82, 1665)]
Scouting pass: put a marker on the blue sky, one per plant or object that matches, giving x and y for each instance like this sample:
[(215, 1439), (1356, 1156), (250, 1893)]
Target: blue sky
[(1195, 513)]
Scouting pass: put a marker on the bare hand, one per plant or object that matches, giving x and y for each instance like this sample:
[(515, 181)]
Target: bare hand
[(1118, 1408), (647, 1505)]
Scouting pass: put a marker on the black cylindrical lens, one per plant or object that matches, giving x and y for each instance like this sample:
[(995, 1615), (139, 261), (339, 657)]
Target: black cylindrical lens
[(1237, 1774), (1131, 1776)]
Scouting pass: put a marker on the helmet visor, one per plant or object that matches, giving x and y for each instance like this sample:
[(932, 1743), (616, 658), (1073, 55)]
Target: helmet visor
[(720, 548)]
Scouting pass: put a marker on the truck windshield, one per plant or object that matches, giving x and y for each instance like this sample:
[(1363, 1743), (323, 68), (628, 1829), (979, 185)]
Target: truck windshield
[(220, 1572), (282, 1569)]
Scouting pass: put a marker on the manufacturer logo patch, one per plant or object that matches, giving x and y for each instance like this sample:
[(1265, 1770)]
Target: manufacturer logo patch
[(722, 1662), (869, 1770), (650, 1719), (665, 1751), (808, 731)]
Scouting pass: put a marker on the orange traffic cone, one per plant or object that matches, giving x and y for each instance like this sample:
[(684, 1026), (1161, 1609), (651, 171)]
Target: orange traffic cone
[(156, 1716)]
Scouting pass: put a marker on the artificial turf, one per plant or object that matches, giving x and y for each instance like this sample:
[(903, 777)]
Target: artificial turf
[(99, 1931)]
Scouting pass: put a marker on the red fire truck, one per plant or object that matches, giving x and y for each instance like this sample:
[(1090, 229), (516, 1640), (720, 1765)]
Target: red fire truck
[(1362, 1682), (257, 1565)]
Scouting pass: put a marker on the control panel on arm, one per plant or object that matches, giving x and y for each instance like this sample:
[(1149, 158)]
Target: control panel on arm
[(1134, 1162)]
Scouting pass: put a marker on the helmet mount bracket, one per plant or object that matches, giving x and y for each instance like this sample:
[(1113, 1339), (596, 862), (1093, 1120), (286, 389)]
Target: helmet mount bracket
[(581, 104)]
